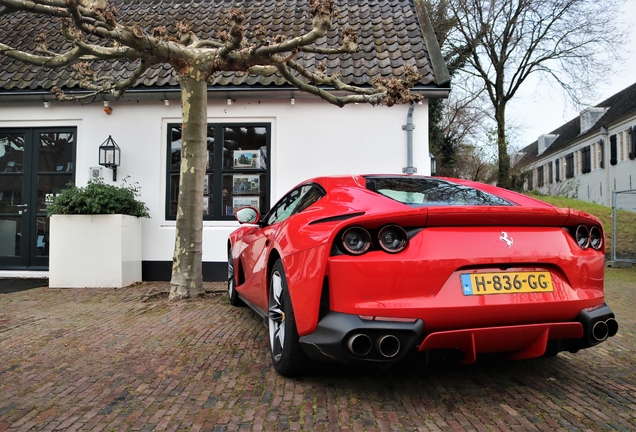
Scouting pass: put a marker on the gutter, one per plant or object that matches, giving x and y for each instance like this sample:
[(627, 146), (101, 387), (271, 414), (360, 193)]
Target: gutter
[(173, 93)]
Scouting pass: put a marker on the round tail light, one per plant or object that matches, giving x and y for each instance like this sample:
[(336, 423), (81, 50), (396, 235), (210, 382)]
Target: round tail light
[(356, 240), (582, 236), (392, 238), (596, 237)]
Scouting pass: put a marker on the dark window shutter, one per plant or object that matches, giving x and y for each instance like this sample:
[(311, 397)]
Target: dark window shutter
[(613, 151), (632, 149), (557, 168), (569, 169), (586, 160), (602, 144)]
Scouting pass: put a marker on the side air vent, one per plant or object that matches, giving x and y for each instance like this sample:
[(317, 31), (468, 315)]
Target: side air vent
[(336, 218)]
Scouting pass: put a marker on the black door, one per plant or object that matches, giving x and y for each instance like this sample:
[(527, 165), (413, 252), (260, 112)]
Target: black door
[(35, 165)]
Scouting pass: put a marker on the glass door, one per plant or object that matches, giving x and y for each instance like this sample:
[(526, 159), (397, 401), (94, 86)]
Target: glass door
[(35, 165)]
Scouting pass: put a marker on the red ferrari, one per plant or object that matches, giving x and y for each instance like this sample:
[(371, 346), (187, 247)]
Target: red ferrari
[(375, 268)]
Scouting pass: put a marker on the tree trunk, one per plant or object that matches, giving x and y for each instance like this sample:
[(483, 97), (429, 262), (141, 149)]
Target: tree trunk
[(188, 250), (502, 147)]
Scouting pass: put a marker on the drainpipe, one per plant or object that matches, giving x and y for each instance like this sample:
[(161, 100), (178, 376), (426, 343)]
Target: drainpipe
[(408, 127)]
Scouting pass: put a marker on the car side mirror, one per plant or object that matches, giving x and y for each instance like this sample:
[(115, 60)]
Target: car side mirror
[(247, 215)]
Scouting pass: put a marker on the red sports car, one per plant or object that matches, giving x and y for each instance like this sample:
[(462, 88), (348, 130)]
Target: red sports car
[(374, 268)]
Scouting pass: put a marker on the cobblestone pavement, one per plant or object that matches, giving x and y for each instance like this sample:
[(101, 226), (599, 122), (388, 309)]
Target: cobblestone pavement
[(127, 360)]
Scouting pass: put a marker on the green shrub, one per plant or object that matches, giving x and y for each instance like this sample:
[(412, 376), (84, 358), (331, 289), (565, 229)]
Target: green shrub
[(99, 198)]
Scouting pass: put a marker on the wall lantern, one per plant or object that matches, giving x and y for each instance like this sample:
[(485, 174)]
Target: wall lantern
[(433, 164), (110, 155)]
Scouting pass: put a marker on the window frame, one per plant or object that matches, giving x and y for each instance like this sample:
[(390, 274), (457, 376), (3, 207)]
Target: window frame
[(540, 176), (218, 171)]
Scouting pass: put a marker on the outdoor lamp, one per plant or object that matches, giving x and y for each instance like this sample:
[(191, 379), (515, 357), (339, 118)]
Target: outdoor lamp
[(110, 155), (433, 164)]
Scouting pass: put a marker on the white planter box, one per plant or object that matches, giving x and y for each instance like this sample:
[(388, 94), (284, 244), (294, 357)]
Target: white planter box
[(96, 251)]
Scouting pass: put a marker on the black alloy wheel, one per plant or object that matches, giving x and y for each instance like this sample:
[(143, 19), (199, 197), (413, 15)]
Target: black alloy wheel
[(287, 355), (231, 281)]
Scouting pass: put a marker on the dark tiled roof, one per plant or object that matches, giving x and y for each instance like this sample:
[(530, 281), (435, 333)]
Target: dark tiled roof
[(619, 105), (389, 34)]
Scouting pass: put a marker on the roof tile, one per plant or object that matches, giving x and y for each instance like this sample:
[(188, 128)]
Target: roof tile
[(389, 37)]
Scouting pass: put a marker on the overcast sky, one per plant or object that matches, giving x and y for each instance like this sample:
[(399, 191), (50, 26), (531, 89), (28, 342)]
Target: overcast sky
[(539, 108)]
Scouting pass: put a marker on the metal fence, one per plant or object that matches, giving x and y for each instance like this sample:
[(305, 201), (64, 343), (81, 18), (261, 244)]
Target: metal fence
[(624, 222)]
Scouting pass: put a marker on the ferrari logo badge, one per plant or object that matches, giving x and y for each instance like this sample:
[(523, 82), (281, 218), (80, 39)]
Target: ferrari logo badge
[(507, 240)]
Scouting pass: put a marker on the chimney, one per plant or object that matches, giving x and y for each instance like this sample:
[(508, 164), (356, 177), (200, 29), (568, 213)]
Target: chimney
[(546, 141), (589, 117)]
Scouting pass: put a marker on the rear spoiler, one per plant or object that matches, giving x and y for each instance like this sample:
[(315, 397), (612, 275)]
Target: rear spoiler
[(477, 216)]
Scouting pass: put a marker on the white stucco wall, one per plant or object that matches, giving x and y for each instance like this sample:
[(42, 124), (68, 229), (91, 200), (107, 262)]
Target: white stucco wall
[(310, 138)]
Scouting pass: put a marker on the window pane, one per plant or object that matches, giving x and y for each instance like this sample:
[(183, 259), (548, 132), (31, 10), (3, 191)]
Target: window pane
[(56, 151), (208, 195), (42, 240), (175, 148), (50, 186), (11, 153), (10, 193), (10, 229), (208, 188), (242, 190), (245, 147), (174, 193)]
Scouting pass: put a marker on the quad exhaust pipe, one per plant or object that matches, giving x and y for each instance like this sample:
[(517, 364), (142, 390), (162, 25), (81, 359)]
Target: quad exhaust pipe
[(599, 324), (360, 345), (604, 329), (388, 346)]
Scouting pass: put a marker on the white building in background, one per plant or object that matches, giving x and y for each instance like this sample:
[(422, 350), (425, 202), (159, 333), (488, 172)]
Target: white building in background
[(263, 136), (589, 157)]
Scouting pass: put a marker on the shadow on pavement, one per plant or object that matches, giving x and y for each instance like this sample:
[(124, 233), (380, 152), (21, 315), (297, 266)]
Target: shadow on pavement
[(11, 285)]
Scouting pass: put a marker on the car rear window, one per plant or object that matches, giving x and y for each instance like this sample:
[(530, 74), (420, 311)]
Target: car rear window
[(420, 191)]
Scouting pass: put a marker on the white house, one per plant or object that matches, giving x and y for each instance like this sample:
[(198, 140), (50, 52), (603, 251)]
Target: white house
[(589, 157), (264, 136)]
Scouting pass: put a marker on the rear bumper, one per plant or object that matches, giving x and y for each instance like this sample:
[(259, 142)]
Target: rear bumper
[(348, 338)]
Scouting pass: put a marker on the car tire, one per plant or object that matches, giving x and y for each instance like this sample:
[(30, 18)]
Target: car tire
[(232, 294), (288, 357)]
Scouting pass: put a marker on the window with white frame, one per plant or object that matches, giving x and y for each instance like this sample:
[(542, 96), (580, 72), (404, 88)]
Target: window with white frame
[(237, 170)]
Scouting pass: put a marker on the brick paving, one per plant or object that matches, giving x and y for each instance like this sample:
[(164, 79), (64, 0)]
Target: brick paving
[(127, 359)]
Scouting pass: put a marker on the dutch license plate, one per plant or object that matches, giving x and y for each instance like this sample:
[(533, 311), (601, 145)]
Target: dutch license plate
[(506, 283)]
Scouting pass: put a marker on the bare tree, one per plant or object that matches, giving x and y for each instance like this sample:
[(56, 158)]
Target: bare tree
[(570, 41), (96, 33)]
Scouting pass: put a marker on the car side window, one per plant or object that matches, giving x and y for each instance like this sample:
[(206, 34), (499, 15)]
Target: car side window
[(295, 201)]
